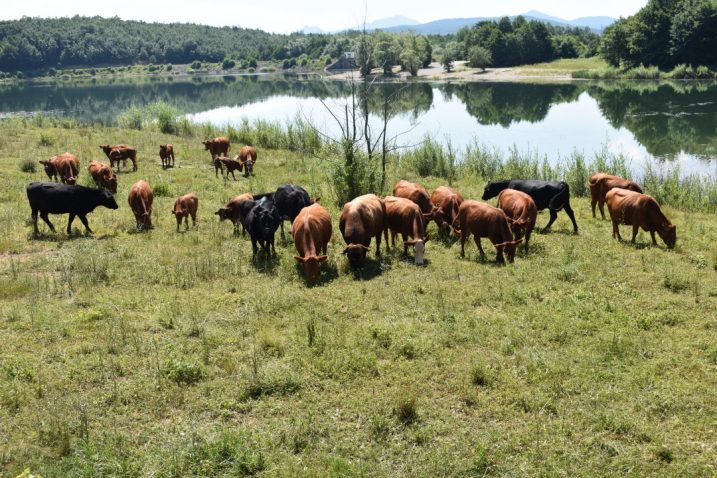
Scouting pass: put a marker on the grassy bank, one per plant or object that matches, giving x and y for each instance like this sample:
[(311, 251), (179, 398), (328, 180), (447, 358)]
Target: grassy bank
[(170, 354)]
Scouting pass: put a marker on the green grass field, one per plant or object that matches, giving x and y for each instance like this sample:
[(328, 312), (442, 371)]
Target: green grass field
[(170, 354), (564, 66)]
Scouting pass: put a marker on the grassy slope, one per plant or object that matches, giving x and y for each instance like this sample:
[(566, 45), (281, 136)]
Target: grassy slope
[(563, 66), (587, 357)]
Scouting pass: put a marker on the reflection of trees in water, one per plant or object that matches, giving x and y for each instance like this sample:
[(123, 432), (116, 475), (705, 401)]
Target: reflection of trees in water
[(667, 118), (506, 103), (412, 99)]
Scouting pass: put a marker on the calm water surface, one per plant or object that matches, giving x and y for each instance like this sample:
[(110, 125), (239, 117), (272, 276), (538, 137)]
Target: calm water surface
[(664, 124)]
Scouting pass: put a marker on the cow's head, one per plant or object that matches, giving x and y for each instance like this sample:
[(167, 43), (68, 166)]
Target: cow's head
[(268, 219), (163, 149), (107, 199), (207, 144), (356, 254), (492, 190), (49, 168), (106, 148), (632, 186), (223, 213), (248, 167), (419, 248), (111, 181), (509, 248), (442, 218), (314, 200), (668, 233), (311, 266)]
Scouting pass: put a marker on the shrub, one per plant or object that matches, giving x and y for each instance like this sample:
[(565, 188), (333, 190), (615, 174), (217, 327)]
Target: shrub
[(406, 410), (161, 190), (432, 158), (183, 372), (228, 64), (28, 166), (196, 65), (252, 63), (46, 140), (131, 118), (226, 455), (168, 67)]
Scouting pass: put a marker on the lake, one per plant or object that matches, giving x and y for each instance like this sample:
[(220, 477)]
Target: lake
[(666, 124)]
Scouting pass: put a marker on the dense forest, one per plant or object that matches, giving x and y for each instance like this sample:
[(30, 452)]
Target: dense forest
[(37, 43), (520, 42), (665, 33)]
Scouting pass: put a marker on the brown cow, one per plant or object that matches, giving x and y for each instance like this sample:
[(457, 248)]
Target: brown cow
[(218, 146), (447, 200), (231, 165), (639, 211), (419, 195), (247, 155), (140, 200), (103, 176), (66, 166), (120, 152), (521, 211), (166, 154), (484, 220), (233, 211), (312, 232), (404, 217), (184, 207), (601, 183), (362, 219)]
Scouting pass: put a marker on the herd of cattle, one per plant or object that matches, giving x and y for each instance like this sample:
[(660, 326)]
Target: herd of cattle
[(407, 212)]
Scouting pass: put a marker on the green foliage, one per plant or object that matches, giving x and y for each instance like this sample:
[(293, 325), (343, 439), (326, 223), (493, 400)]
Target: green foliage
[(432, 158), (480, 57), (183, 372), (28, 165), (664, 34), (406, 409), (228, 454), (386, 51), (353, 175), (196, 65), (46, 140), (131, 118), (449, 55), (228, 64)]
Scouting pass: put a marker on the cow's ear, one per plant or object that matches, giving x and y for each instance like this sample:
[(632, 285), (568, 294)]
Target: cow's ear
[(322, 258), (346, 250), (299, 259), (314, 200)]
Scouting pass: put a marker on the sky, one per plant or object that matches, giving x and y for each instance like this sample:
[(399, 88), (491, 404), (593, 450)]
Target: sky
[(284, 16)]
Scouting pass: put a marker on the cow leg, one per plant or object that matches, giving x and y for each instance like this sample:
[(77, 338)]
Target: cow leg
[(480, 247), (463, 244), (593, 203), (393, 239), (405, 247), (134, 164), (652, 234), (235, 178), (378, 244), (83, 218), (571, 215), (69, 223), (601, 204), (45, 218), (254, 249), (281, 224), (635, 229), (194, 220), (527, 239), (553, 217), (499, 256)]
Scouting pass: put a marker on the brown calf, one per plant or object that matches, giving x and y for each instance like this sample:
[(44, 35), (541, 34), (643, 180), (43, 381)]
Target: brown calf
[(639, 211), (231, 165), (66, 166), (50, 167), (447, 200), (521, 211), (166, 154), (404, 217), (362, 219), (103, 176), (419, 195), (120, 152), (312, 232), (247, 156), (484, 220), (233, 211), (140, 200), (184, 207), (601, 183), (218, 146)]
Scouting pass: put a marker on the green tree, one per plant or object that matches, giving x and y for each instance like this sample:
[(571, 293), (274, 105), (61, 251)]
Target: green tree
[(480, 57), (386, 52), (410, 61), (450, 54)]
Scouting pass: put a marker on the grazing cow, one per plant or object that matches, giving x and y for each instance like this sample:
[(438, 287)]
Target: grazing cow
[(362, 219), (639, 211), (120, 152), (484, 220), (66, 166), (233, 211), (140, 200), (262, 221), (184, 207), (521, 211), (219, 146), (551, 195), (447, 200), (419, 195), (404, 217), (166, 154), (290, 199), (54, 198), (50, 167), (247, 156), (601, 183), (221, 162), (312, 232), (103, 176)]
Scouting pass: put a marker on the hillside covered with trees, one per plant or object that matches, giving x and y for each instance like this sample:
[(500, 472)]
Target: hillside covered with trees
[(37, 43), (665, 33)]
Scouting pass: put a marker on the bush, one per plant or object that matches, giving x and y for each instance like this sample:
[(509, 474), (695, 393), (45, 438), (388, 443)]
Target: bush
[(168, 67), (131, 118), (28, 166), (162, 190), (46, 140), (406, 410), (431, 158), (166, 117), (228, 64), (182, 372), (196, 65), (480, 57), (353, 175), (252, 63)]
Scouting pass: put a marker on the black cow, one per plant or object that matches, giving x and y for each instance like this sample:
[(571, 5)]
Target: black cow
[(57, 198), (552, 195), (261, 221), (290, 200)]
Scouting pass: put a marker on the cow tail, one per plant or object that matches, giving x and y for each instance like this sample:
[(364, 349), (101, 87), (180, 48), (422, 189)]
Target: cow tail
[(559, 200)]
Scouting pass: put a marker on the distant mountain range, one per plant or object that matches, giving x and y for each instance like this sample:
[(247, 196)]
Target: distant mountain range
[(449, 26)]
